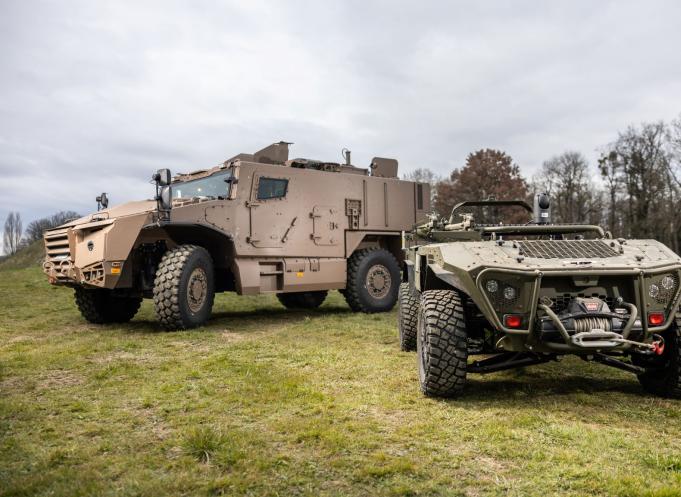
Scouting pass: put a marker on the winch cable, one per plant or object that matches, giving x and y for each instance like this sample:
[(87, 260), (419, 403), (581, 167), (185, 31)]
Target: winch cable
[(587, 324)]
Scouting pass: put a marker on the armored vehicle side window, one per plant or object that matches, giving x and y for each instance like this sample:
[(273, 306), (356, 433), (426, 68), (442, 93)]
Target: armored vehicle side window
[(269, 188)]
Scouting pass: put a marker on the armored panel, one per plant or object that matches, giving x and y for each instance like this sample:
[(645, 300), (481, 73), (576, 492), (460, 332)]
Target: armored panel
[(326, 225), (384, 168)]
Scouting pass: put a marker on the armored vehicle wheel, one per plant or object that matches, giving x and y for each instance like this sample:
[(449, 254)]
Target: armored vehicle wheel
[(663, 377), (373, 281), (441, 344), (302, 300), (184, 288), (101, 306), (407, 317)]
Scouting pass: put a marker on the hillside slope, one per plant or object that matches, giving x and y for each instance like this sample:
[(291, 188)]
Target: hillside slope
[(29, 256)]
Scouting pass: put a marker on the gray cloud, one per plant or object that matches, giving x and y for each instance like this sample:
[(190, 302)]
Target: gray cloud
[(96, 95)]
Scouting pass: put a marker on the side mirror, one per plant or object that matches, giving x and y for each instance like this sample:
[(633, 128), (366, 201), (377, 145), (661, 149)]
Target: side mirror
[(165, 198), (102, 201), (162, 177)]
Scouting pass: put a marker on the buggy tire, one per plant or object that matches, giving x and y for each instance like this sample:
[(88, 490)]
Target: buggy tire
[(302, 300), (407, 318), (102, 306), (442, 344), (664, 378), (184, 288), (373, 281)]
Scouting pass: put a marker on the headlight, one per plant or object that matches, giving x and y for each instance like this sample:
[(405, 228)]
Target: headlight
[(654, 291), (667, 282), (509, 293), (492, 286)]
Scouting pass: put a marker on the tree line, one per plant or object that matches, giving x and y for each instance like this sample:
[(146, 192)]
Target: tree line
[(633, 190), (15, 238)]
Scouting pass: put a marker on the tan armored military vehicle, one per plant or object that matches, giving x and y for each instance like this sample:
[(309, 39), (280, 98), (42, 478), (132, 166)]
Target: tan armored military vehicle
[(258, 223)]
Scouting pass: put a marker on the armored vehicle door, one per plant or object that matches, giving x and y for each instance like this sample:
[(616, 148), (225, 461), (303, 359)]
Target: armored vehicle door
[(272, 215)]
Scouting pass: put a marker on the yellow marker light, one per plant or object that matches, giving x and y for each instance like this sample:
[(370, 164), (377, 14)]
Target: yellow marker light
[(116, 268), (300, 274)]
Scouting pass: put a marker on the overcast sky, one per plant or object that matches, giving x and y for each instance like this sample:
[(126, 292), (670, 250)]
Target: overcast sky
[(96, 95)]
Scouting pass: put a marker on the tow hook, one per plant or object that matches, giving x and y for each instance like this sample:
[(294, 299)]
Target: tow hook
[(658, 345)]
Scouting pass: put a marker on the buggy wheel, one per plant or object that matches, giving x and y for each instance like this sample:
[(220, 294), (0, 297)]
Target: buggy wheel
[(302, 300), (407, 317), (442, 344), (184, 288), (663, 377), (102, 306), (373, 281)]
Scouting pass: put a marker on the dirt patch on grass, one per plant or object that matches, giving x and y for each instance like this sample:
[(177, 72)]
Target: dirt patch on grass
[(58, 378), (136, 357), (21, 338)]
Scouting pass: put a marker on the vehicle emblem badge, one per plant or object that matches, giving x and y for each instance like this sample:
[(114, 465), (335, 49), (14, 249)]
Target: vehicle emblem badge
[(591, 306)]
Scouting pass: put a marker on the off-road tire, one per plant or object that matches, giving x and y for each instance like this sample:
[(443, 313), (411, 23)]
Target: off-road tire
[(407, 318), (442, 344), (102, 306), (178, 306), (664, 378), (375, 261), (302, 300)]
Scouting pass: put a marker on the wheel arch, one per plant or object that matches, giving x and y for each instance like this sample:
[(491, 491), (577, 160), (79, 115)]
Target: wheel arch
[(390, 241), (219, 245)]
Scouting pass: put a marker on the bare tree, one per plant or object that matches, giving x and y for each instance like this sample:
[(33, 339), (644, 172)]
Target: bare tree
[(12, 234), (567, 179), (425, 175), (35, 229), (637, 168)]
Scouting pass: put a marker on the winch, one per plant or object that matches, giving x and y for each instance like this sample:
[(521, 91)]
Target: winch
[(584, 314)]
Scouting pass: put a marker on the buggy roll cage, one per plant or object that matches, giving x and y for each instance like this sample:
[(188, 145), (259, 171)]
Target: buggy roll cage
[(526, 229)]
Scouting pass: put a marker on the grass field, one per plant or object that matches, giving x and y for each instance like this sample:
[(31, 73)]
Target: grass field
[(265, 401)]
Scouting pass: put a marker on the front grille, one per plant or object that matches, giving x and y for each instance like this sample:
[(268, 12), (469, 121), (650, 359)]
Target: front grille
[(560, 302), (57, 245), (565, 249)]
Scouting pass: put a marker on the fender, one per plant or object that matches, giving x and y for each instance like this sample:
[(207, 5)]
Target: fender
[(219, 244), (436, 278)]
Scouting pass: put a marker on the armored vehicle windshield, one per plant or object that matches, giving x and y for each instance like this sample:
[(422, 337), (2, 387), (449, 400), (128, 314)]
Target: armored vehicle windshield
[(214, 186)]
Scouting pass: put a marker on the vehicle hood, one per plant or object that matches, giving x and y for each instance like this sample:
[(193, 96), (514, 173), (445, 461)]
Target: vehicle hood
[(115, 212), (570, 255)]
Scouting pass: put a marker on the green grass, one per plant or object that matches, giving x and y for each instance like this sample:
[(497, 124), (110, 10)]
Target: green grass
[(265, 401)]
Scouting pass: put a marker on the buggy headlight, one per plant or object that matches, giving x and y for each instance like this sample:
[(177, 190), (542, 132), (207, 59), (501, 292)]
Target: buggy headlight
[(653, 290), (509, 293), (492, 286), (667, 282)]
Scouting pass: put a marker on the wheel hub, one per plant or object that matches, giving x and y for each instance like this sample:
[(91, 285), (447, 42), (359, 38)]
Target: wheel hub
[(197, 289), (378, 281)]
